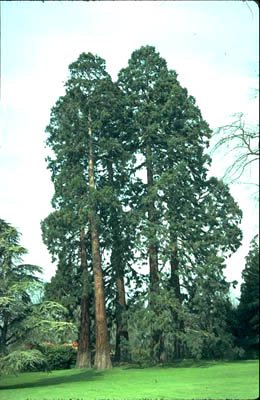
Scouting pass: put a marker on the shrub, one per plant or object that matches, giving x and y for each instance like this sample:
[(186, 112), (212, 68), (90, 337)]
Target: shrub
[(58, 356), (23, 361), (141, 356)]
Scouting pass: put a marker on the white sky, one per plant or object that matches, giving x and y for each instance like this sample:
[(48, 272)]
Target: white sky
[(212, 45)]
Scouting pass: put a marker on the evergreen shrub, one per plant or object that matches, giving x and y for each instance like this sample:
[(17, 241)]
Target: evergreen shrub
[(141, 356), (59, 356)]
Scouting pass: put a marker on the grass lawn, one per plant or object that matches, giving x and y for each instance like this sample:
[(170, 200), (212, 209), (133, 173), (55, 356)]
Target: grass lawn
[(186, 380)]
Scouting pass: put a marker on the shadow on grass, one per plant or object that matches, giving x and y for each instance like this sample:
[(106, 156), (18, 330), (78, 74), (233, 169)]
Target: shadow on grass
[(89, 375), (203, 363), (182, 364), (191, 364)]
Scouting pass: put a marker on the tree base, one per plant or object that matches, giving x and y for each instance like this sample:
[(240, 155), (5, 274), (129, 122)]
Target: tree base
[(83, 360), (103, 360)]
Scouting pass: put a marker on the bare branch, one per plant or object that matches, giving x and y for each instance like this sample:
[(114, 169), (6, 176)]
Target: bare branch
[(240, 139)]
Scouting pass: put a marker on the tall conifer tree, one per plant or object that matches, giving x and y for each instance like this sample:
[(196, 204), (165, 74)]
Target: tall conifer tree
[(183, 211), (73, 134)]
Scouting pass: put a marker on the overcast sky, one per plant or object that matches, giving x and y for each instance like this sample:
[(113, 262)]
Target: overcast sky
[(212, 45)]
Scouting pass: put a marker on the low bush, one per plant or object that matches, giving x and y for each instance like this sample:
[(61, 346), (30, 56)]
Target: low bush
[(59, 356), (141, 356)]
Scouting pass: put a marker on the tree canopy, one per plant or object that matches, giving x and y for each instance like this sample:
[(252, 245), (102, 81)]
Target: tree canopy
[(130, 170)]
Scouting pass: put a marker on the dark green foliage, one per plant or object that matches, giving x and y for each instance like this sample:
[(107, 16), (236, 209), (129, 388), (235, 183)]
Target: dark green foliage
[(203, 333), (153, 204), (208, 310), (18, 282), (93, 103), (41, 358), (23, 361), (58, 356), (187, 221), (61, 235), (248, 309), (24, 319), (179, 206), (154, 312)]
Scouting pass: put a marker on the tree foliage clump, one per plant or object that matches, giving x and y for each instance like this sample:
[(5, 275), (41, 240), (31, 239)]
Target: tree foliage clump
[(23, 360), (23, 320), (17, 281), (248, 308)]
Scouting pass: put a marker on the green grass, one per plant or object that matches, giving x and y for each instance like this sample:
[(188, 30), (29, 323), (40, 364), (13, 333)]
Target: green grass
[(186, 380)]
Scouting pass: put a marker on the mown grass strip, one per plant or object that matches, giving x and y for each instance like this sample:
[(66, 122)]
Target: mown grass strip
[(208, 381)]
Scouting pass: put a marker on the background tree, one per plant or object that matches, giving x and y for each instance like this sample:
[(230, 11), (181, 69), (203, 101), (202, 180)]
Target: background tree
[(16, 281), (24, 320), (248, 308)]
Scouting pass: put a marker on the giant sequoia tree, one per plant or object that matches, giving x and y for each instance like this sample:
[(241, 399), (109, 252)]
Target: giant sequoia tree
[(187, 218), (73, 133), (140, 82), (130, 172)]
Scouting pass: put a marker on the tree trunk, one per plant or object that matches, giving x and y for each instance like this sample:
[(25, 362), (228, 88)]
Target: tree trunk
[(84, 353), (121, 326), (102, 354), (116, 262), (3, 335), (174, 278), (175, 284), (157, 345), (153, 248)]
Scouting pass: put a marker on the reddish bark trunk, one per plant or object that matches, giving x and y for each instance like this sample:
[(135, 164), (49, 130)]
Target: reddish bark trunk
[(102, 353), (116, 262), (84, 354)]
